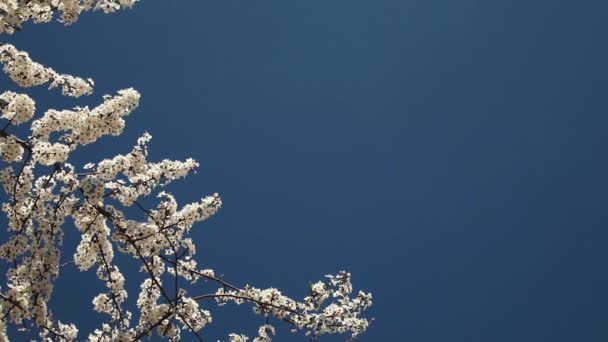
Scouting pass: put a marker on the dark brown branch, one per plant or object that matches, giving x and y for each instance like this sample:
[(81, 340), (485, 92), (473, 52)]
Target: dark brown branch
[(260, 303)]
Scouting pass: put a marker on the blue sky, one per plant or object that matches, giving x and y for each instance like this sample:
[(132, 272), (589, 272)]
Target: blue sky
[(450, 154)]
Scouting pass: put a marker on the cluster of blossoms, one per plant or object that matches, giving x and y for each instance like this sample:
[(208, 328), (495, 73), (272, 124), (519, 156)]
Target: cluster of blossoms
[(13, 13), (264, 335), (313, 314), (27, 73), (44, 190)]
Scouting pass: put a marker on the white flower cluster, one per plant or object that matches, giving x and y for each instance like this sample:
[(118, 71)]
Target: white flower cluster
[(265, 333), (238, 338), (17, 108), (85, 126), (43, 190), (13, 13), (10, 149), (26, 73), (341, 315)]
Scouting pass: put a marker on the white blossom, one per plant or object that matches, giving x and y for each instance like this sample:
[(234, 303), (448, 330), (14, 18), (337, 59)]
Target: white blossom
[(13, 13), (17, 108), (95, 202), (10, 149), (26, 73), (265, 333), (238, 338)]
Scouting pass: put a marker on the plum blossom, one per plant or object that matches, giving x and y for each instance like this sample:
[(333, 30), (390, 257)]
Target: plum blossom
[(26, 73), (17, 108), (13, 13), (118, 207)]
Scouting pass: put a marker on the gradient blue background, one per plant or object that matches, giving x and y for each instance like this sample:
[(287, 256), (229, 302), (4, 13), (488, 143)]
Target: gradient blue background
[(450, 154)]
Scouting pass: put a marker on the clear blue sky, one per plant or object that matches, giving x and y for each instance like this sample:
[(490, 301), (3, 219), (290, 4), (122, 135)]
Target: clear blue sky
[(450, 154)]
